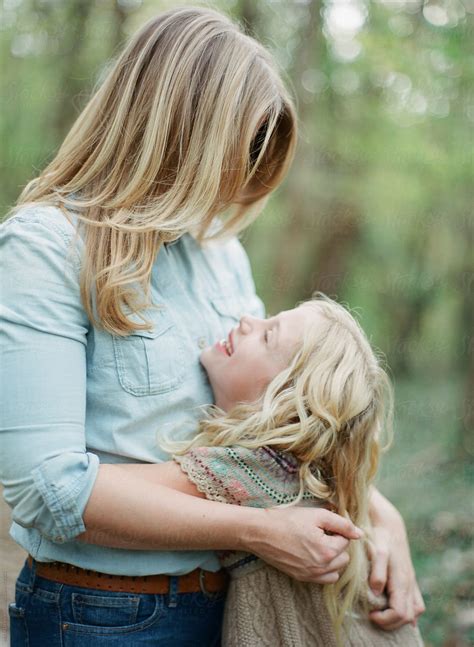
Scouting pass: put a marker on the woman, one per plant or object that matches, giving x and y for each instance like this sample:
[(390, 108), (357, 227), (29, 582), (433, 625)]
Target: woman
[(109, 299)]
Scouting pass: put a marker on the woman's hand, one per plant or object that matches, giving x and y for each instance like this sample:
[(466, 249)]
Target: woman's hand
[(391, 567), (294, 541)]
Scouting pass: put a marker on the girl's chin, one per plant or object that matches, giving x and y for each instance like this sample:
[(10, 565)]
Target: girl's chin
[(203, 357), (211, 355), (208, 358)]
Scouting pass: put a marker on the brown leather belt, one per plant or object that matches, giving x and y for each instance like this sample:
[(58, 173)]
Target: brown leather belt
[(197, 580)]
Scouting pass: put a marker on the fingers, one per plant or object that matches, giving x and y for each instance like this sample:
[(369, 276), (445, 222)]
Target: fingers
[(328, 578), (405, 605), (403, 610), (387, 619), (335, 523), (379, 557), (398, 614), (339, 563), (419, 604), (324, 574), (332, 571), (335, 544), (419, 607)]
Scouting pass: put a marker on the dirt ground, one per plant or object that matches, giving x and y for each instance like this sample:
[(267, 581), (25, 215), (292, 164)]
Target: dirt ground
[(11, 561)]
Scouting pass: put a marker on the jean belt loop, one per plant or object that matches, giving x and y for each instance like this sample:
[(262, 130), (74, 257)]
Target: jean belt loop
[(202, 579), (173, 591), (31, 583)]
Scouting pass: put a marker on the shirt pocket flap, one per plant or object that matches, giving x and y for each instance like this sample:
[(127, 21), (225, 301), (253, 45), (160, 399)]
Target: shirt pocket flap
[(235, 307), (161, 321), (229, 306), (151, 334)]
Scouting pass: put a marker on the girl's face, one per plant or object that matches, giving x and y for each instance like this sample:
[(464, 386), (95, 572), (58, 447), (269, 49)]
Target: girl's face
[(255, 351)]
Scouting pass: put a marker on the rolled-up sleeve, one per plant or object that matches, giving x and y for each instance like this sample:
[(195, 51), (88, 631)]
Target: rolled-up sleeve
[(46, 472)]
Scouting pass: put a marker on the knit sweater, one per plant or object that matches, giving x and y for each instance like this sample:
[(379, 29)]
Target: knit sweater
[(265, 607)]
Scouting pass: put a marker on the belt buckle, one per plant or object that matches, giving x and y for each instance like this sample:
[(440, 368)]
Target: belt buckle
[(202, 576)]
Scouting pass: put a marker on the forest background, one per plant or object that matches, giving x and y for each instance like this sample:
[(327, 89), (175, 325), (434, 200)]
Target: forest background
[(376, 211)]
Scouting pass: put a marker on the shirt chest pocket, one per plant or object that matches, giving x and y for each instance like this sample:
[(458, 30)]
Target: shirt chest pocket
[(150, 362)]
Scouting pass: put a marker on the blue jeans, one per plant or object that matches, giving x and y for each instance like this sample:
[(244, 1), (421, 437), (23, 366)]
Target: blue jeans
[(50, 614)]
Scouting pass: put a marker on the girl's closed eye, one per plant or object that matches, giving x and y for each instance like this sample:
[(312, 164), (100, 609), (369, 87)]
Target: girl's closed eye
[(270, 337)]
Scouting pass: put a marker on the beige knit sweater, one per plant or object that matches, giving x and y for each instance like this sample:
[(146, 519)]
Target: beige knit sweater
[(265, 607)]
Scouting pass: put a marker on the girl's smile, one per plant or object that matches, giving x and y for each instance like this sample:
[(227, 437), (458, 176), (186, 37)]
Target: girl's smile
[(226, 345), (221, 346)]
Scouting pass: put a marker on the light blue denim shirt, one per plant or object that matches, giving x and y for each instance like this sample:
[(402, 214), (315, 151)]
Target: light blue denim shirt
[(74, 396)]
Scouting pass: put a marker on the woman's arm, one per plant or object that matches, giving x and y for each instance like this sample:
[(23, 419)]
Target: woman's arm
[(45, 469), (168, 474), (392, 567), (126, 511), (131, 507)]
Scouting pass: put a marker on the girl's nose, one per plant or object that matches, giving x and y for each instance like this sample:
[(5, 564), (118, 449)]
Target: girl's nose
[(248, 323)]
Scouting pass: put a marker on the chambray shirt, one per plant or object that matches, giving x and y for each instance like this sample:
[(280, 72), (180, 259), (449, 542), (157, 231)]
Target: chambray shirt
[(74, 396)]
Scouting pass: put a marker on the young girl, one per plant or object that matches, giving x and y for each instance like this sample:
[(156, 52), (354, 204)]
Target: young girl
[(301, 404)]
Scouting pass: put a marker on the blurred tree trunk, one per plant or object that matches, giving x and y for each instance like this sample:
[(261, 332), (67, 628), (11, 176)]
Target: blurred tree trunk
[(71, 21), (466, 440), (118, 32), (71, 81), (465, 447), (332, 248), (299, 212), (322, 233), (409, 305)]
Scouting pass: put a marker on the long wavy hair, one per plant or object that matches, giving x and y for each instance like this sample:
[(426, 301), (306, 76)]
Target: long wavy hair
[(332, 408), (190, 131)]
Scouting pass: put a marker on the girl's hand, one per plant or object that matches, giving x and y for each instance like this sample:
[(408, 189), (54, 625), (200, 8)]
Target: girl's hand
[(294, 541), (392, 569)]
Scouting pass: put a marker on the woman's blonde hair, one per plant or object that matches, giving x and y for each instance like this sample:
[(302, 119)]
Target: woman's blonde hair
[(192, 120), (330, 407)]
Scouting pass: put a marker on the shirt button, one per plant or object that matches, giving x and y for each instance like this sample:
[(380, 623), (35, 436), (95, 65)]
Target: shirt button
[(202, 343)]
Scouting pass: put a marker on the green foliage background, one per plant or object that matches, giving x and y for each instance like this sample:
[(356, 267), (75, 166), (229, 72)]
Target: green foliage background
[(377, 211)]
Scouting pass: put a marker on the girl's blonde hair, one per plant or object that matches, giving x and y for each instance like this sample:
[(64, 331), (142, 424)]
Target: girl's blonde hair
[(329, 407), (192, 120)]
